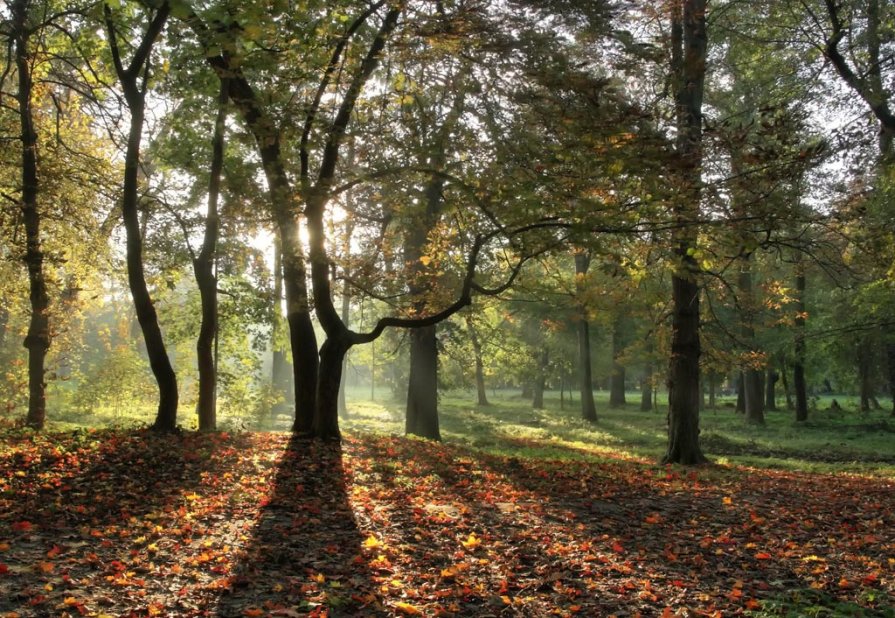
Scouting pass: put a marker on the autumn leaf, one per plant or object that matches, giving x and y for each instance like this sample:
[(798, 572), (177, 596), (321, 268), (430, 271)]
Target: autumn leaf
[(252, 612), (407, 608), (372, 542), (22, 526), (472, 541)]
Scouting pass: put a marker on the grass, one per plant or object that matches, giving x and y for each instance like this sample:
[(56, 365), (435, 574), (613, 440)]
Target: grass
[(830, 441), (844, 441)]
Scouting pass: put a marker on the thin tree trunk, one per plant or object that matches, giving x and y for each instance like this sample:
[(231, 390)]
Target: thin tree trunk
[(206, 278), (689, 43), (280, 379), (754, 396), (890, 360), (713, 390), (585, 377), (646, 389), (37, 341), (798, 369), (617, 378), (864, 374), (771, 377), (479, 362), (784, 378), (135, 95), (540, 380), (741, 393)]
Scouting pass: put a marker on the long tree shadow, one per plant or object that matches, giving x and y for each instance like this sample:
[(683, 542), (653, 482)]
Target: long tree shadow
[(304, 555), (85, 509), (527, 537)]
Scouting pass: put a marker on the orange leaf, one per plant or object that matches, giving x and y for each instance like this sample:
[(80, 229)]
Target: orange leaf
[(253, 612), (46, 567), (762, 555), (752, 604), (55, 551)]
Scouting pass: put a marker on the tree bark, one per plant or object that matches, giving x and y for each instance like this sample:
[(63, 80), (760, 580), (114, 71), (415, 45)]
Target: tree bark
[(422, 388), (689, 43), (37, 341), (206, 277), (585, 376), (135, 96)]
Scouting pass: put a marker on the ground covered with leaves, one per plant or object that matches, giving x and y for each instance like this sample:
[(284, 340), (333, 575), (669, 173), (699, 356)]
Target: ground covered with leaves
[(127, 523)]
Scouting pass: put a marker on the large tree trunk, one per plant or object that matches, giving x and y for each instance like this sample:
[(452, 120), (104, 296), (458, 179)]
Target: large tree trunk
[(689, 44), (617, 378), (37, 341), (422, 387), (479, 362), (135, 95), (206, 278), (332, 357), (585, 376)]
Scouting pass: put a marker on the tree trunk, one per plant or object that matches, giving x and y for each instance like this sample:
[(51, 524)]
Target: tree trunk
[(326, 415), (206, 277), (771, 377), (864, 374), (784, 378), (689, 44), (346, 319), (890, 361), (585, 377), (280, 380), (617, 378), (135, 95), (540, 380), (741, 393), (37, 341), (646, 390), (753, 394), (713, 390), (479, 362), (422, 388), (798, 369)]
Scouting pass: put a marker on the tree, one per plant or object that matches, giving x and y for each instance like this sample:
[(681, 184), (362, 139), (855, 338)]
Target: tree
[(689, 43), (37, 340), (134, 80)]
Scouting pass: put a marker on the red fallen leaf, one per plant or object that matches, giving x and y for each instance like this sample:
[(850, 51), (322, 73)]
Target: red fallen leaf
[(22, 526), (617, 547), (872, 578), (762, 555), (845, 584), (3, 569), (752, 604), (54, 551), (253, 612)]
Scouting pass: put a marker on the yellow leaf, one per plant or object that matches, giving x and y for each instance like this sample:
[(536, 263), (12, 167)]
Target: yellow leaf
[(372, 542), (425, 260), (472, 541), (320, 578), (407, 608), (727, 500)]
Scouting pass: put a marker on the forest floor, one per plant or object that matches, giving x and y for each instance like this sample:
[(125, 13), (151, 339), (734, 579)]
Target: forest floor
[(119, 522)]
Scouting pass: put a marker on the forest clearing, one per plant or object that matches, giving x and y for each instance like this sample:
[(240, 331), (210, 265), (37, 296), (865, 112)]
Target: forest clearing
[(447, 308)]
